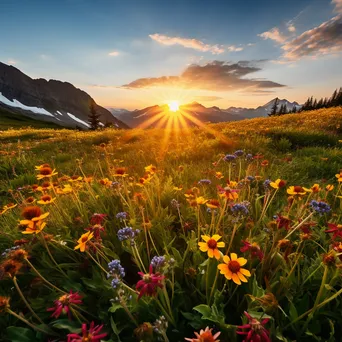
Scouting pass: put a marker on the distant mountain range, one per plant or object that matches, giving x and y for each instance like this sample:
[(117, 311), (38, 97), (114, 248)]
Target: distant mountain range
[(152, 116), (53, 101)]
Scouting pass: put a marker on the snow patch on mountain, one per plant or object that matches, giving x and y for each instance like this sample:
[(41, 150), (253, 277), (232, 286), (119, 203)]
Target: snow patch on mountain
[(78, 120)]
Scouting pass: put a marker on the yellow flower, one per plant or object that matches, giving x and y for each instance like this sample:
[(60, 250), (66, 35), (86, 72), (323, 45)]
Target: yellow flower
[(39, 167), (211, 245), (201, 200), (150, 169), (46, 199), (329, 187), (176, 188), (213, 204), (219, 175), (120, 172), (7, 207), (66, 190), (314, 188), (296, 190), (33, 220), (232, 184), (232, 269), (75, 179), (46, 172), (339, 176), (82, 241), (279, 183), (106, 182)]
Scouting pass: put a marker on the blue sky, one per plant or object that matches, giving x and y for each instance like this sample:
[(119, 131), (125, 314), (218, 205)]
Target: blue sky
[(289, 48)]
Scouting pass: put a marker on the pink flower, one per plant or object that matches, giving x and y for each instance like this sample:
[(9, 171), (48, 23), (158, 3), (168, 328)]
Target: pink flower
[(254, 248), (89, 336), (62, 304), (96, 229), (205, 336), (149, 283), (256, 330)]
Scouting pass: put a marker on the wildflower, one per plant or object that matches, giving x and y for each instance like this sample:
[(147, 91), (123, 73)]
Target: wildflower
[(139, 198), (219, 175), (144, 332), (279, 183), (96, 229), (211, 245), (33, 220), (160, 325), (249, 156), (315, 188), (267, 183), (229, 157), (232, 269), (122, 215), (177, 188), (63, 304), (98, 218), (283, 222), (256, 330), (240, 209), (339, 177), (67, 189), (329, 187), (337, 247), (82, 241), (329, 258), (150, 169), (30, 200), (204, 182), (39, 167), (174, 203), (254, 248), (4, 304), (91, 335), (120, 172), (46, 172), (75, 179), (149, 283), (158, 262), (229, 194), (320, 207), (205, 336), (250, 178), (213, 204), (116, 271), (127, 233), (201, 200), (105, 181), (239, 153), (336, 229), (8, 207), (45, 187), (284, 243), (146, 223), (297, 191), (10, 268), (264, 163), (46, 199)]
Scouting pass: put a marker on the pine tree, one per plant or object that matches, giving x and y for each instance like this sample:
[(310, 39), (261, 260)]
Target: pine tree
[(294, 109), (274, 107), (93, 117)]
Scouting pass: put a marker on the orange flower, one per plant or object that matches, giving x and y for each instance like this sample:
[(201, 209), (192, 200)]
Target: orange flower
[(33, 220), (279, 183), (106, 182), (219, 175), (296, 191), (150, 169), (82, 241), (213, 204), (232, 269), (211, 245), (120, 172), (314, 188), (7, 207), (75, 179), (264, 163), (46, 172), (339, 176), (46, 199), (329, 187), (205, 336)]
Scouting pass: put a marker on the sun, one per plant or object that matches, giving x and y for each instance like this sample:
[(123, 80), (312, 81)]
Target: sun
[(174, 106)]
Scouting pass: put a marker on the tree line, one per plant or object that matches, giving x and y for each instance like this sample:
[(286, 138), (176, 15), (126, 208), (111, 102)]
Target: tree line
[(311, 103)]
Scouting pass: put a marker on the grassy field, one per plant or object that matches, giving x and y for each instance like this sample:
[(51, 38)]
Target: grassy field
[(159, 234)]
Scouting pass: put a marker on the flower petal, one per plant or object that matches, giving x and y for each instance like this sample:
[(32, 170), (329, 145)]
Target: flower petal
[(226, 259), (233, 256), (216, 237), (221, 244), (242, 261), (217, 254), (242, 277), (245, 272), (205, 237), (236, 279), (210, 253)]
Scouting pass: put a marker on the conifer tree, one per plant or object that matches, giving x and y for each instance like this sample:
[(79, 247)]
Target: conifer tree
[(274, 108), (93, 117)]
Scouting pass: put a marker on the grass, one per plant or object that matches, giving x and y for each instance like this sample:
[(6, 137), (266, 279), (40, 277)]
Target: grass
[(172, 189)]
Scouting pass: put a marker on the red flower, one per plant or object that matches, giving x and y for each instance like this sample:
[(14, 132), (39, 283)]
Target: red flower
[(256, 332), (336, 229), (96, 229), (63, 303), (254, 248), (149, 283), (337, 247), (283, 222), (98, 218), (89, 336)]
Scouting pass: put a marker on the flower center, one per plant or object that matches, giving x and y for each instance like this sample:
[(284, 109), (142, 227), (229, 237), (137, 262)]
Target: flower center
[(212, 243), (298, 189), (146, 278), (234, 266), (85, 238), (45, 171), (64, 299), (31, 212)]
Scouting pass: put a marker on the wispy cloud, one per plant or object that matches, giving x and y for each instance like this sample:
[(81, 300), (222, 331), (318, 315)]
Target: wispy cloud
[(207, 98), (216, 76), (12, 61), (187, 43), (291, 27), (274, 34), (114, 53), (338, 5)]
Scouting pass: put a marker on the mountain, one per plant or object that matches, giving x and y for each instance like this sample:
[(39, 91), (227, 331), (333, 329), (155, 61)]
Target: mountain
[(54, 101), (192, 112)]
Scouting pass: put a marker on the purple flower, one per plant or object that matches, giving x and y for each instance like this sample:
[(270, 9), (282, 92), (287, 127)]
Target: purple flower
[(127, 233), (229, 157), (122, 215), (239, 153), (320, 207), (205, 181)]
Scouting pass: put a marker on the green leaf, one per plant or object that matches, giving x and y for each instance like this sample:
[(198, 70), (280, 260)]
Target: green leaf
[(115, 307), (66, 324), (203, 309), (115, 329), (18, 334), (293, 312)]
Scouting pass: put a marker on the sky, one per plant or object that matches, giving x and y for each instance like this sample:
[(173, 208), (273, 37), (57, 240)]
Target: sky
[(136, 53)]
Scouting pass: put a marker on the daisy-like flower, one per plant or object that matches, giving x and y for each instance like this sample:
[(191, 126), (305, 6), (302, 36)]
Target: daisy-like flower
[(10, 268), (120, 172), (205, 335), (329, 187), (91, 335), (255, 330), (4, 304), (105, 181), (46, 199), (229, 194), (232, 269), (46, 172), (177, 188), (39, 167), (219, 175), (75, 179), (339, 176), (336, 229), (7, 207), (33, 220), (279, 183), (297, 191), (63, 303), (67, 189), (211, 245), (213, 204), (82, 241), (149, 283), (315, 188), (30, 200), (201, 200), (45, 187), (150, 169), (253, 248)]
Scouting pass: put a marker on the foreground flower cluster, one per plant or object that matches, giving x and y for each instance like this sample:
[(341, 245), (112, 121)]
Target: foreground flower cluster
[(238, 255)]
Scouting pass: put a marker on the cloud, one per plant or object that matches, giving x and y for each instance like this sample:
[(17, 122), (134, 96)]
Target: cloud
[(291, 27), (338, 5), (216, 76), (233, 48), (12, 62), (187, 43), (321, 40), (274, 34), (114, 53), (207, 98)]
